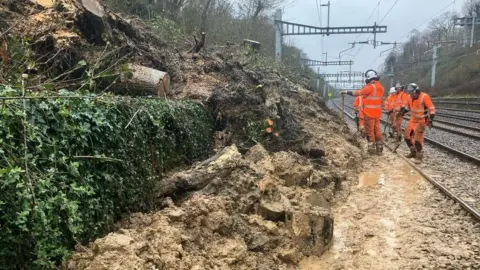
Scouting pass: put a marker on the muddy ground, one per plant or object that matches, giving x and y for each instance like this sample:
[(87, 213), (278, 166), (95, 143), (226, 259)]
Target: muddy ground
[(395, 219), (258, 211)]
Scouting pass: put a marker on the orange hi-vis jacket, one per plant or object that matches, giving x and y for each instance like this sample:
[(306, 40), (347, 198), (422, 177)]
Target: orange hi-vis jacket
[(389, 103), (372, 99), (358, 104), (419, 108), (401, 100)]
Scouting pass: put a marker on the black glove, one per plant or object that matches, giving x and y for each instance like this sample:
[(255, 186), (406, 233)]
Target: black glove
[(403, 111), (430, 120), (350, 93)]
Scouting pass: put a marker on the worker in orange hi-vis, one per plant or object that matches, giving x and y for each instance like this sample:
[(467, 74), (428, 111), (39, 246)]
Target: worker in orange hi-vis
[(358, 107), (422, 113), (401, 101), (388, 106), (372, 109)]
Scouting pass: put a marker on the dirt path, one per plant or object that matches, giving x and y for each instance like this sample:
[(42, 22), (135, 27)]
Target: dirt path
[(394, 219)]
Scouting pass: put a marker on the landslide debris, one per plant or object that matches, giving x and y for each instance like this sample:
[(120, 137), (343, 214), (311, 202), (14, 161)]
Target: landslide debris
[(262, 201), (244, 217)]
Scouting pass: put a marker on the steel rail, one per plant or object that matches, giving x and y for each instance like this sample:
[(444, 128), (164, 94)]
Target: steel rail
[(471, 210), (458, 132), (449, 149), (458, 110), (459, 117), (457, 102)]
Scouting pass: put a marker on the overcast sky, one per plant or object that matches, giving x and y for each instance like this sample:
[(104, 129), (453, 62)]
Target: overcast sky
[(402, 19)]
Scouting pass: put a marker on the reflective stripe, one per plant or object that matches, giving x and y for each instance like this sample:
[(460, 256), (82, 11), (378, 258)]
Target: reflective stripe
[(373, 106)]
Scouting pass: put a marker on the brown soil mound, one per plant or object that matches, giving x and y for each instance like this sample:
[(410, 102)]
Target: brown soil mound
[(245, 217), (252, 211)]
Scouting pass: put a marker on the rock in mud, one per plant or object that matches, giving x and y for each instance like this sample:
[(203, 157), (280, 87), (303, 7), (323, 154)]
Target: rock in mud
[(292, 168), (314, 149), (312, 230), (274, 210)]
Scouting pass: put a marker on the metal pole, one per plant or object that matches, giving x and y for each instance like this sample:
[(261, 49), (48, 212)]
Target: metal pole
[(391, 71), (278, 36), (324, 90), (465, 29), (434, 67), (350, 74), (473, 30), (328, 19), (318, 84), (375, 35)]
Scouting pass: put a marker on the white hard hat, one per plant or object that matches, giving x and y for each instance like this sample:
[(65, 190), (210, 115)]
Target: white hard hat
[(392, 91), (371, 75)]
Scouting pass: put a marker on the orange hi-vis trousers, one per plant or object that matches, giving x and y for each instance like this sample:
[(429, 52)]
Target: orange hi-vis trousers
[(392, 121), (415, 131), (398, 124), (372, 128)]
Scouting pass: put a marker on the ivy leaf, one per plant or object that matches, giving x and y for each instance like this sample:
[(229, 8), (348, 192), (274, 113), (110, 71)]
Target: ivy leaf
[(82, 63)]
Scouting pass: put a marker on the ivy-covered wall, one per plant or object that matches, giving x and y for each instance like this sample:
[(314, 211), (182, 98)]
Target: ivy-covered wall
[(70, 167)]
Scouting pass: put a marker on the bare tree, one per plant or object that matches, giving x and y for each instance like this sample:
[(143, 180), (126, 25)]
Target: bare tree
[(254, 8), (443, 26), (471, 7)]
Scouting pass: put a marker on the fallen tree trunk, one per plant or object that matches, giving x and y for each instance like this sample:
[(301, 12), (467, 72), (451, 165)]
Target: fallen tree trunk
[(141, 81), (218, 166)]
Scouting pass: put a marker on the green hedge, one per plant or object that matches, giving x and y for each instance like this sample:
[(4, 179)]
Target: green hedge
[(89, 161)]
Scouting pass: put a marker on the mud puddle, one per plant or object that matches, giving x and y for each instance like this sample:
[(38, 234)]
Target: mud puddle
[(368, 229)]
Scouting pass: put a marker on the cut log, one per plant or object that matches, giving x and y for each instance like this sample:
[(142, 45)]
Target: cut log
[(92, 22), (44, 3), (252, 44), (141, 81), (94, 7)]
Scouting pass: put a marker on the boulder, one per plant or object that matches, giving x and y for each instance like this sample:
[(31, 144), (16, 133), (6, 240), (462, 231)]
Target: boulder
[(312, 230), (292, 168), (274, 210)]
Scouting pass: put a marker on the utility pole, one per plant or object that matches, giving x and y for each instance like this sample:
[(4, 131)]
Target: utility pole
[(278, 36), (318, 80), (328, 17), (473, 30), (465, 22), (434, 66), (392, 73), (326, 54), (434, 59), (324, 90)]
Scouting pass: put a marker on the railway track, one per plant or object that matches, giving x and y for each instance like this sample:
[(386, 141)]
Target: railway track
[(450, 192), (449, 149), (471, 118), (458, 132), (458, 110)]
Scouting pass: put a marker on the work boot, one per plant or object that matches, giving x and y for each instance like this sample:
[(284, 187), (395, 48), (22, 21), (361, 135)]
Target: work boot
[(379, 146), (371, 148), (413, 152), (419, 158), (399, 137)]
